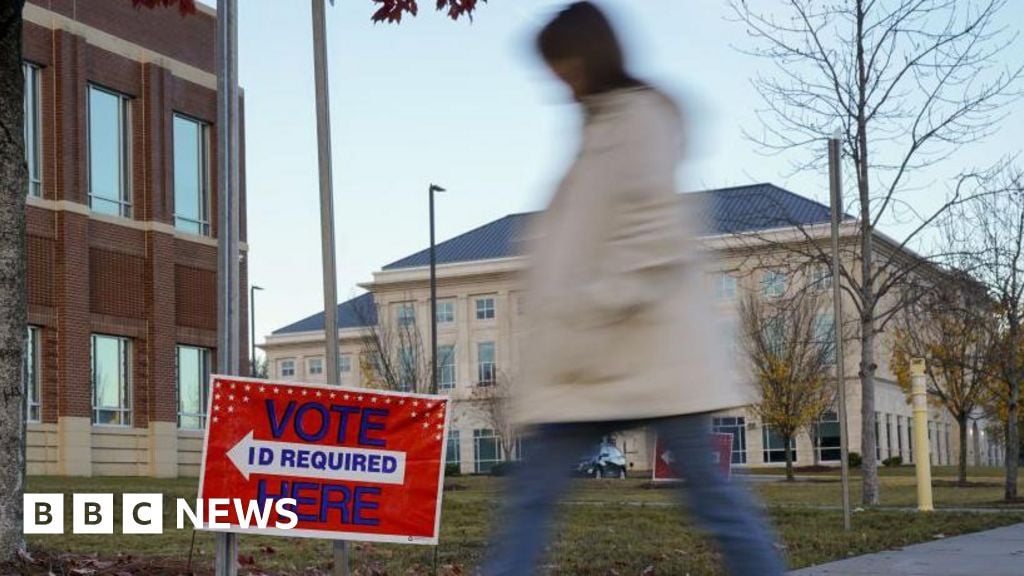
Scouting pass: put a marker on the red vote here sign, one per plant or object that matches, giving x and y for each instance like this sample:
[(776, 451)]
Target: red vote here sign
[(361, 464), (665, 467)]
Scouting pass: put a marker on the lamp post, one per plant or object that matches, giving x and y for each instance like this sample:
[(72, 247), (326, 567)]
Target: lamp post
[(252, 327), (433, 292), (327, 247), (836, 197), (228, 324)]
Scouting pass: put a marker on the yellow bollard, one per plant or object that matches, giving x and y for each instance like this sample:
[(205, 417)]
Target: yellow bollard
[(922, 459)]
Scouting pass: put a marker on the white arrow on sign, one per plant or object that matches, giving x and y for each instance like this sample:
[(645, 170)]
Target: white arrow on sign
[(667, 457), (315, 461)]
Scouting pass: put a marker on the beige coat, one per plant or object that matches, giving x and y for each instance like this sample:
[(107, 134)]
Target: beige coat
[(621, 323)]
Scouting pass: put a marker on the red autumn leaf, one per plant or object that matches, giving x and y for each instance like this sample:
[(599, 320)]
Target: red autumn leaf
[(184, 6), (391, 11)]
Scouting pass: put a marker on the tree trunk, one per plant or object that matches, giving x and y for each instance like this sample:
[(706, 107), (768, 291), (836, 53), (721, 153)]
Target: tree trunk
[(13, 187), (961, 475), (869, 463), (787, 440), (1013, 444), (869, 466), (815, 443)]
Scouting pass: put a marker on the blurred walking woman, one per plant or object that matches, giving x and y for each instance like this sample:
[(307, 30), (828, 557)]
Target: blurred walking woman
[(621, 325)]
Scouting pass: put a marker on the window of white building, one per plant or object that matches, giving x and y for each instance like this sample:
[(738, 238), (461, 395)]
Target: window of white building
[(486, 450), (735, 425)]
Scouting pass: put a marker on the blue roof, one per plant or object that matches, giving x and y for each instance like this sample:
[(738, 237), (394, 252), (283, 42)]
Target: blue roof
[(757, 207), (359, 311), (736, 210), (741, 209)]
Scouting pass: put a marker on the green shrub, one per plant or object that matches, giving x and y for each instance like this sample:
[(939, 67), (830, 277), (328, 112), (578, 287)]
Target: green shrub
[(854, 460), (893, 461), (452, 470)]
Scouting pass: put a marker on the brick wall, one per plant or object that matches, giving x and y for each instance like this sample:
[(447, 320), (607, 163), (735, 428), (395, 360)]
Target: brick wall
[(135, 277)]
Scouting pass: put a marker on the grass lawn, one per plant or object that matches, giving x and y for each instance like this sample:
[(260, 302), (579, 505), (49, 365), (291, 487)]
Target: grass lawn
[(620, 526)]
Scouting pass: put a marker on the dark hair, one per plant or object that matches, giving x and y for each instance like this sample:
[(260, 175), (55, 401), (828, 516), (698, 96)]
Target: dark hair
[(581, 30)]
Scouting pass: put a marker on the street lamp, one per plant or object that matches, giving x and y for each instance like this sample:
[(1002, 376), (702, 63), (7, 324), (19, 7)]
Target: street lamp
[(252, 327), (433, 293)]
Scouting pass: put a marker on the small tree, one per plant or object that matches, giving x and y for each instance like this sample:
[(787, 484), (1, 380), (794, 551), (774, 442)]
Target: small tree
[(791, 354), (493, 402), (989, 235), (951, 327)]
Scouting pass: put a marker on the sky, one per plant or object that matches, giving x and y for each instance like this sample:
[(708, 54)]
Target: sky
[(467, 105)]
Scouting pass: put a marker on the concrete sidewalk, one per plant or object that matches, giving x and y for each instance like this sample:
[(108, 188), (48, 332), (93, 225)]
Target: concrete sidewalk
[(998, 552)]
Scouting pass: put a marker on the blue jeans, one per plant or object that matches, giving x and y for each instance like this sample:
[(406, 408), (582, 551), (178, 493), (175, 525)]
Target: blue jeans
[(721, 508)]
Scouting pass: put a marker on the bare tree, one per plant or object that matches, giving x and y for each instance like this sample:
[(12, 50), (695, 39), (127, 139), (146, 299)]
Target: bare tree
[(952, 327), (791, 350), (493, 401), (394, 353), (907, 84), (990, 233)]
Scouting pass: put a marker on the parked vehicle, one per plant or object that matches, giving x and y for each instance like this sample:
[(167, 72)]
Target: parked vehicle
[(606, 462)]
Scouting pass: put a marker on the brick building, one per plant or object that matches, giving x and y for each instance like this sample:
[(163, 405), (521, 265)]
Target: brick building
[(121, 107)]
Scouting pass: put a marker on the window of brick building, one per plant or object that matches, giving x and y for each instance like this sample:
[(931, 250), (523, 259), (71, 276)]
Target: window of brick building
[(33, 131), (109, 152), (111, 380), (191, 176), (32, 359), (193, 368)]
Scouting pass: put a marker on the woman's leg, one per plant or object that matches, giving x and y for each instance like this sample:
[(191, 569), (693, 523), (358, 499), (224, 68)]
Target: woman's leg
[(721, 508), (521, 529)]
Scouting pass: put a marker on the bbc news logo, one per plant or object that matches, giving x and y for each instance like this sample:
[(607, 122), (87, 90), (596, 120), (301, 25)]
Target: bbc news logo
[(144, 513)]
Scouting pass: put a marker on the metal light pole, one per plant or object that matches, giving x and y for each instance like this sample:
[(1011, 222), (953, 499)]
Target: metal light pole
[(323, 137), (433, 293), (229, 326), (252, 327), (835, 187)]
